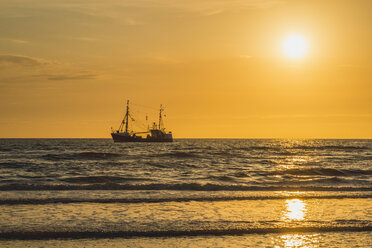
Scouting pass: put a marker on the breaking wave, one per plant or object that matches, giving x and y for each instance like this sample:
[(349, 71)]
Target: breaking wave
[(35, 201), (42, 235), (176, 186)]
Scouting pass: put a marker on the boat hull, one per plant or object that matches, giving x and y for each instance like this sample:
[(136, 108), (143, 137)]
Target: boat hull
[(120, 137)]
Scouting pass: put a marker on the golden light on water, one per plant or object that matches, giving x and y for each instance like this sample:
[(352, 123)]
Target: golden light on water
[(299, 240), (295, 210), (292, 162), (292, 240)]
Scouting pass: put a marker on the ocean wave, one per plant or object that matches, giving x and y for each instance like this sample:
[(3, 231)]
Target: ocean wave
[(305, 147), (224, 178), (331, 147), (41, 235), (330, 181), (14, 165), (176, 186), (341, 181), (81, 155), (35, 201), (323, 172), (4, 149), (101, 179), (177, 154), (260, 148)]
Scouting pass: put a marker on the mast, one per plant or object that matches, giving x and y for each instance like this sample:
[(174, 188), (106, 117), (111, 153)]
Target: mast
[(127, 117), (125, 120), (160, 117)]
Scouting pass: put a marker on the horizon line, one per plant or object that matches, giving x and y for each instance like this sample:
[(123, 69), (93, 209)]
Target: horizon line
[(284, 138)]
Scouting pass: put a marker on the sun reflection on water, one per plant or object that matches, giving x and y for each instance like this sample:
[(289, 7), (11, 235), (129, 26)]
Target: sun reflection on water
[(292, 162), (295, 210), (298, 240)]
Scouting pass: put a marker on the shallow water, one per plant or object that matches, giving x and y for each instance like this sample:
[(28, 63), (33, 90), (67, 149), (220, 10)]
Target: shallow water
[(214, 193), (328, 239)]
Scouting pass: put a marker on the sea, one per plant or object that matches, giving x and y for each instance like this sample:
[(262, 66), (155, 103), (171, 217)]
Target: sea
[(189, 193)]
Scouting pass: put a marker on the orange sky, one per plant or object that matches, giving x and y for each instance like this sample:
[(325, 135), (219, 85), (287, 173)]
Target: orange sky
[(67, 67)]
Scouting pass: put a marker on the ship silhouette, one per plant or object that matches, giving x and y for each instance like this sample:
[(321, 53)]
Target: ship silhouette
[(156, 133)]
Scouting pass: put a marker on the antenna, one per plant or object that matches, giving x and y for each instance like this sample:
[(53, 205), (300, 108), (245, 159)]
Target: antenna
[(147, 122)]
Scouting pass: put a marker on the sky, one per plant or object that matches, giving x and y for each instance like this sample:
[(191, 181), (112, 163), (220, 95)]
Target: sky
[(67, 67)]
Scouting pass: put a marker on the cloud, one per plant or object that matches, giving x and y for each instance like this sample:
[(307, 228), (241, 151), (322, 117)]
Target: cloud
[(20, 68), (89, 39), (20, 60), (71, 77), (15, 41), (210, 7), (115, 8), (246, 56)]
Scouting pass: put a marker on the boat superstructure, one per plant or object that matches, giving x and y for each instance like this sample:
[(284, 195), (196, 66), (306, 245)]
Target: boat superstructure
[(156, 133)]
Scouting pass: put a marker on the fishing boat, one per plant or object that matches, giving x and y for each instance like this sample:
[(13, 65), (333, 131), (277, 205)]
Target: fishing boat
[(156, 133)]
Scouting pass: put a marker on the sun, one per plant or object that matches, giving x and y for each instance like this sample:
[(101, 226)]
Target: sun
[(294, 46)]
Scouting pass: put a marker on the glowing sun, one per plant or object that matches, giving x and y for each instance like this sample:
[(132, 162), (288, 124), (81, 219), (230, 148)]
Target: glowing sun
[(294, 46)]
